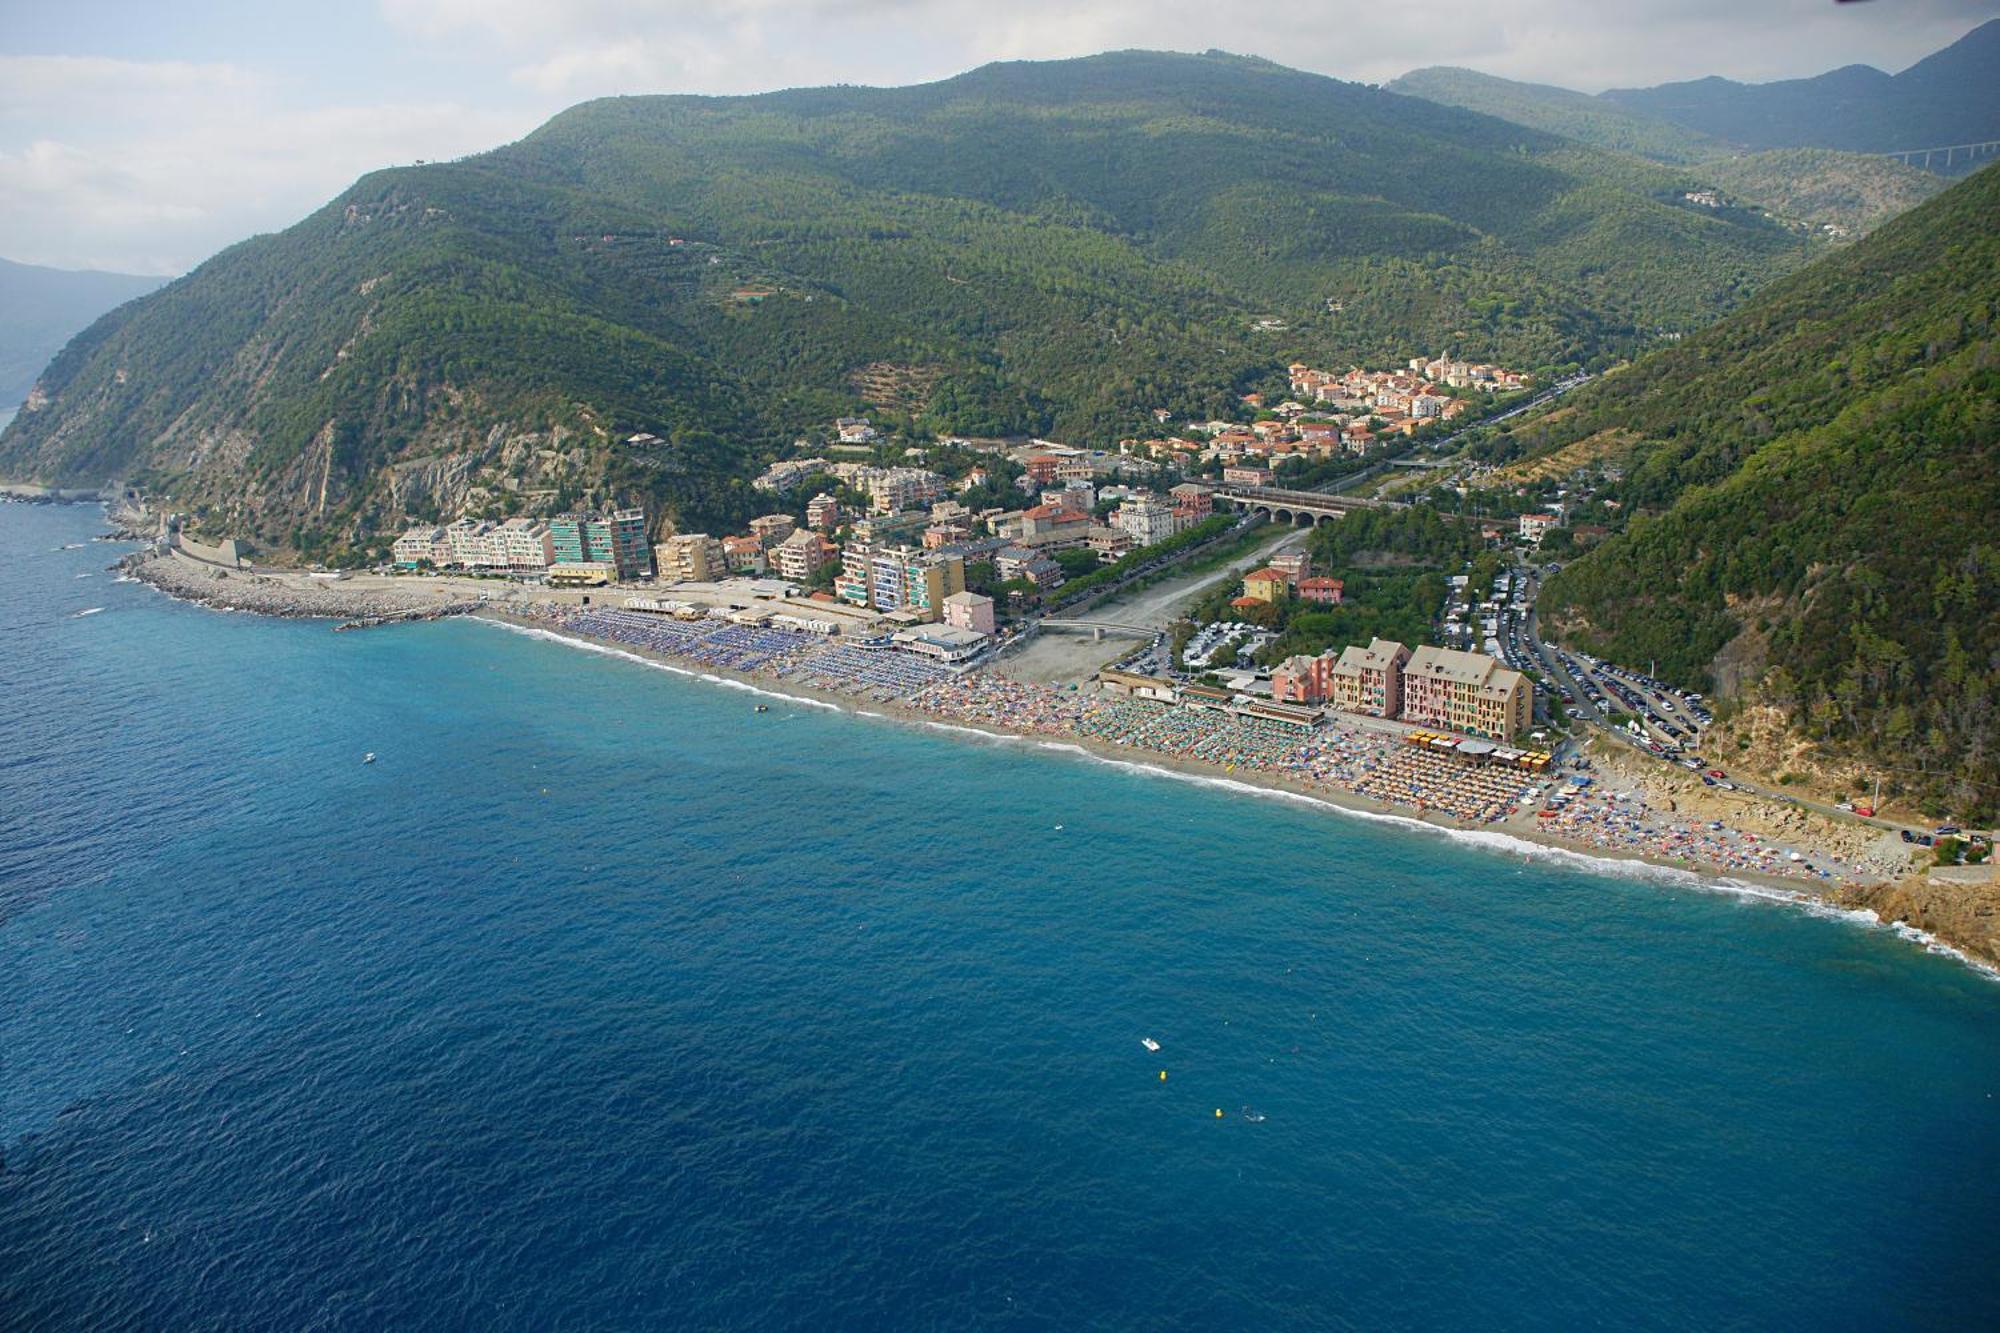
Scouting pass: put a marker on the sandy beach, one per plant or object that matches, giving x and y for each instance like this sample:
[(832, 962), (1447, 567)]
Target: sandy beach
[(1617, 827), (1360, 766)]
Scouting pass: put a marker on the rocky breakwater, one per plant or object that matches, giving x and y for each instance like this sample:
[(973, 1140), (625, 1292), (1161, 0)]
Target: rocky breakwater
[(289, 593)]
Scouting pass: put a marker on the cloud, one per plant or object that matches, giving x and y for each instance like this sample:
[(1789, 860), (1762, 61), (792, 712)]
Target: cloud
[(152, 166), (591, 47)]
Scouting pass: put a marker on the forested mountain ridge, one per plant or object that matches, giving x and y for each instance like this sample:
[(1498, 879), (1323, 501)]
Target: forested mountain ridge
[(1811, 483), (1059, 246), (1950, 97), (1815, 187), (1573, 115)]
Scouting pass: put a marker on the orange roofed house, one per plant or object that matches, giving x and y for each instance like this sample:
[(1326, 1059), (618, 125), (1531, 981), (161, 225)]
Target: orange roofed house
[(1266, 585)]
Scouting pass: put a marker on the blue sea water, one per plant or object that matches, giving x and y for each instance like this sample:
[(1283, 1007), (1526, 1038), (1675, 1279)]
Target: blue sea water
[(601, 1000)]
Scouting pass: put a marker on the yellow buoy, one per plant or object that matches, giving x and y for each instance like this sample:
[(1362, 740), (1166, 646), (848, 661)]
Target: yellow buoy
[(1163, 1076), (1218, 1113)]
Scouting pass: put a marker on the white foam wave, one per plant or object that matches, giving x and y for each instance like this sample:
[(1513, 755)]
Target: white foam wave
[(623, 654), (1485, 839), (997, 737), (1507, 843)]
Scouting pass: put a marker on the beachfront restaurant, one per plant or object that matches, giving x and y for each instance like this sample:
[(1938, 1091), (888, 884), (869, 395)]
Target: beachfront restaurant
[(1479, 751), (1295, 716)]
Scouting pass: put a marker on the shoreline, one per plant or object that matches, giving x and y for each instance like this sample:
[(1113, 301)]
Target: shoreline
[(1851, 904), (1896, 903)]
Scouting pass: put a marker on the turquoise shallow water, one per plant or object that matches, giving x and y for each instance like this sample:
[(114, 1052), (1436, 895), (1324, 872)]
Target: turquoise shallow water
[(602, 1001)]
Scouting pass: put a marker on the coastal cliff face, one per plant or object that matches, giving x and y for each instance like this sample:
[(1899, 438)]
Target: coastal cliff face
[(1962, 914)]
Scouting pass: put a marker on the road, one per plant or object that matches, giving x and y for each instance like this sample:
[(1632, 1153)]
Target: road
[(1061, 658)]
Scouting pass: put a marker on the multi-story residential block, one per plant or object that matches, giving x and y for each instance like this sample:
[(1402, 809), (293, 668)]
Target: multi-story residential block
[(1292, 564), (520, 545), (779, 478), (617, 539), (1266, 585), (1146, 518), (1466, 692), (772, 529), (1368, 680), (798, 556), (1302, 679), (1247, 476), (465, 543), (969, 611), (898, 578), (894, 489), (1536, 526), (420, 545), (1110, 544), (1192, 502), (692, 557), (822, 513)]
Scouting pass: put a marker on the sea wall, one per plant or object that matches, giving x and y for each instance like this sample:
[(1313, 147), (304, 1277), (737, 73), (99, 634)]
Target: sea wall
[(228, 554)]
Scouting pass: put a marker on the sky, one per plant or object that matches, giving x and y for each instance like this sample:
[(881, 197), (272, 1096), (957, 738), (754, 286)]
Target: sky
[(141, 136)]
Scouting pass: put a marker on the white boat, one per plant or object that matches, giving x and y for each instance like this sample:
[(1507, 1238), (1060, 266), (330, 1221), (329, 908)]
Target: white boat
[(1149, 1043), (368, 758)]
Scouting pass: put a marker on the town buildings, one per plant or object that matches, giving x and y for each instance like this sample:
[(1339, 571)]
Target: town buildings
[(822, 513), (692, 557), (1321, 591), (1368, 680), (1467, 692), (969, 611), (770, 529), (798, 556), (898, 578), (617, 539), (1147, 519), (1536, 526), (1265, 585), (1192, 502), (531, 546), (744, 555), (779, 478)]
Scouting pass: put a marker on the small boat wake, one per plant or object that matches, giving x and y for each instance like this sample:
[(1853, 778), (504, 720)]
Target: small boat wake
[(89, 611)]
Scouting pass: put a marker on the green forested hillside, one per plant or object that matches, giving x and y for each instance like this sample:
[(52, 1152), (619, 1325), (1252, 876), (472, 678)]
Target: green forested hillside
[(1852, 191), (1814, 186), (1811, 495), (1056, 247), (1573, 115)]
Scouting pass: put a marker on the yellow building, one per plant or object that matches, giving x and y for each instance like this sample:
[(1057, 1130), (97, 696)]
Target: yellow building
[(1266, 585)]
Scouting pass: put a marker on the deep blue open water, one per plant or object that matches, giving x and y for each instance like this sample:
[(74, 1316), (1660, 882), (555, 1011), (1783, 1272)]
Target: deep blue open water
[(601, 1000)]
